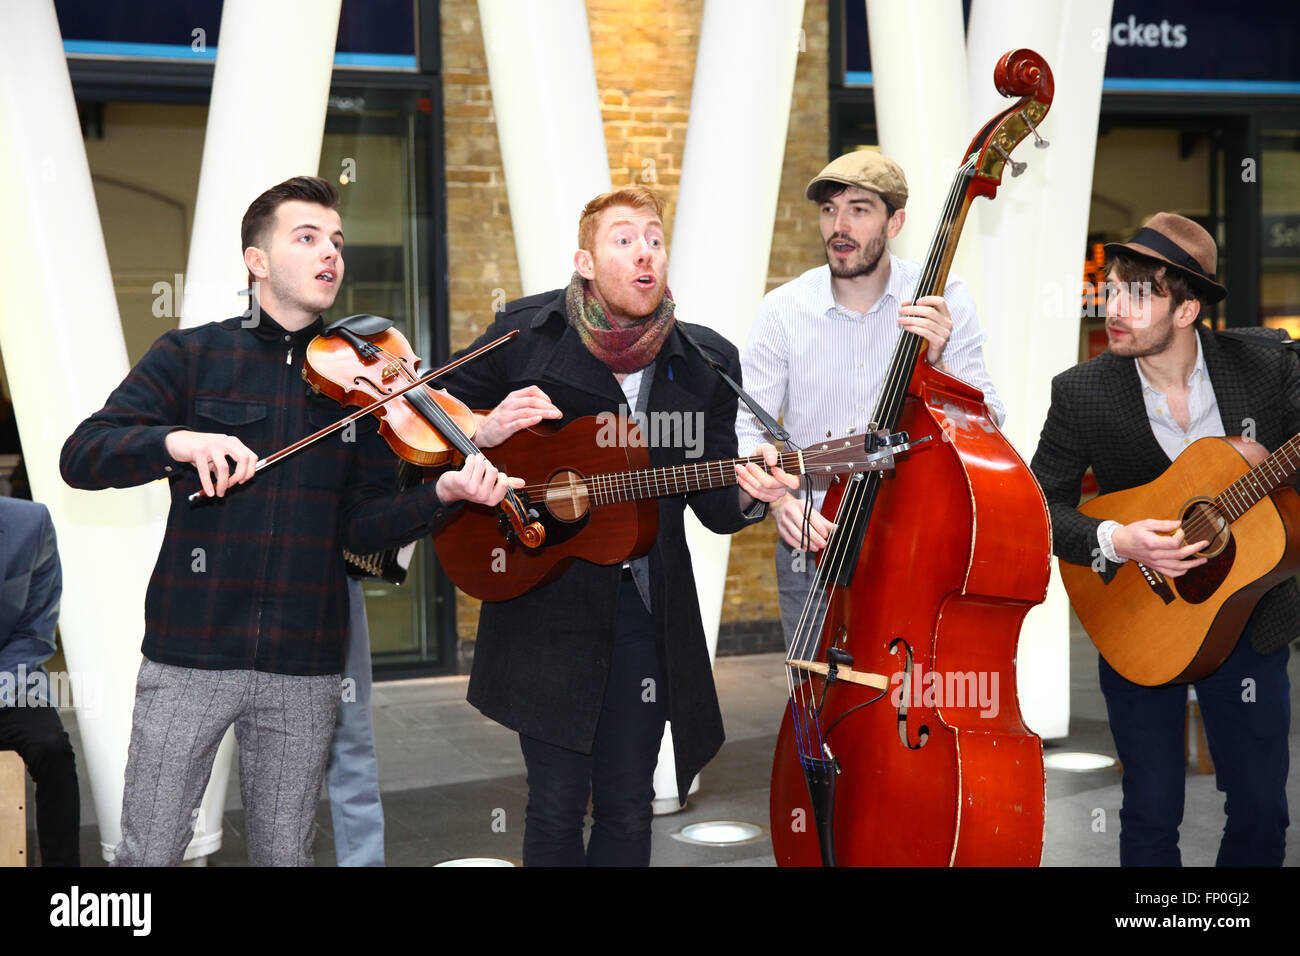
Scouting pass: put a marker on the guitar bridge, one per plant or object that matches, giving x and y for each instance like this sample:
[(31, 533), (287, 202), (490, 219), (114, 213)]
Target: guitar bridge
[(1156, 581)]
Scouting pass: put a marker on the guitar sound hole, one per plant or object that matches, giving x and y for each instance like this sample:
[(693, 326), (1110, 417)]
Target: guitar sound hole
[(566, 496), (1202, 521)]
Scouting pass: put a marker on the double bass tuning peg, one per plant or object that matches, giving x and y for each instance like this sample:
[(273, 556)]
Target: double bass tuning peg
[(1016, 168), (1039, 142)]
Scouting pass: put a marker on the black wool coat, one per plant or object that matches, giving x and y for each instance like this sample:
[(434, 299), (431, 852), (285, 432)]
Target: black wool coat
[(542, 659), (1098, 418)]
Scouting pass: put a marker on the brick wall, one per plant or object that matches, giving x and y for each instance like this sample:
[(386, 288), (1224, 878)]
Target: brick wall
[(644, 54)]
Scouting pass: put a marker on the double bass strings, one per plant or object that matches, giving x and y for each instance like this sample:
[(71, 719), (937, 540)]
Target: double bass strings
[(859, 498)]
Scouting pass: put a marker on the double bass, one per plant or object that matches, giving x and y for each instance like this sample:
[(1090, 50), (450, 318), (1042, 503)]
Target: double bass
[(903, 742)]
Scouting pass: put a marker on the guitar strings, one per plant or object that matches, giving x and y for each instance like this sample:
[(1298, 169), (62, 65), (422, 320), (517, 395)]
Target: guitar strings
[(1243, 494)]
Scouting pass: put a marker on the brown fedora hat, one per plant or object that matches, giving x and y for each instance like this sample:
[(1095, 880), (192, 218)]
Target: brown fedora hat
[(1180, 244)]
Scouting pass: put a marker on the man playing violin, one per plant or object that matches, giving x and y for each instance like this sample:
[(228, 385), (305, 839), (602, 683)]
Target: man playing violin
[(246, 614), (821, 344), (587, 667), (1165, 382)]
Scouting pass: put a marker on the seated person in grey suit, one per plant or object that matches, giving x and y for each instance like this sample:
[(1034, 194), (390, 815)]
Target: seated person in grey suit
[(29, 718)]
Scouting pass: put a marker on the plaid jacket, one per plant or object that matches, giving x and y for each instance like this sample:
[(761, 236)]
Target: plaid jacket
[(1098, 418), (255, 580)]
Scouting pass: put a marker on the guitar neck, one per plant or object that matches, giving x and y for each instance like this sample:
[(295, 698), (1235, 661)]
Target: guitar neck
[(1269, 475), (619, 486)]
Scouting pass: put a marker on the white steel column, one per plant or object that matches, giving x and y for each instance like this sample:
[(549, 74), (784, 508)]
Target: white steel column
[(266, 120), (731, 178), (918, 69), (270, 89), (549, 124), (64, 352), (1034, 237)]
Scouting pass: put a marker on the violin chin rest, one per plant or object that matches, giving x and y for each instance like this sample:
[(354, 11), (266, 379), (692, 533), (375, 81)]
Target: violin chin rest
[(361, 324)]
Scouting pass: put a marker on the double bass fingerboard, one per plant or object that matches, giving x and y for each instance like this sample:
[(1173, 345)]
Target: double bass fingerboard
[(860, 496)]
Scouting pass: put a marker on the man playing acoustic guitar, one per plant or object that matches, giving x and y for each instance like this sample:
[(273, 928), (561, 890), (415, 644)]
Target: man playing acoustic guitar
[(586, 667), (1166, 381)]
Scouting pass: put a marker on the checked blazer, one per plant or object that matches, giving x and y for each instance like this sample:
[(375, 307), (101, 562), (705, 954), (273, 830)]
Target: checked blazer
[(1098, 418)]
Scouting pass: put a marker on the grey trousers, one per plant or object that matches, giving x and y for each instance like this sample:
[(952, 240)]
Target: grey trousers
[(283, 724), (795, 572)]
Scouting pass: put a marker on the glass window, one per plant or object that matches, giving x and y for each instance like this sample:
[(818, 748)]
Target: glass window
[(378, 146), (1279, 280)]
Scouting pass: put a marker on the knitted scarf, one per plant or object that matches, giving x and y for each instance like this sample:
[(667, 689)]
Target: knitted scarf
[(622, 350)]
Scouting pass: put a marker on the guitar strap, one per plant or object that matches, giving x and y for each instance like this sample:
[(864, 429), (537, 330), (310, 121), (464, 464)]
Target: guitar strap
[(767, 421), (772, 427)]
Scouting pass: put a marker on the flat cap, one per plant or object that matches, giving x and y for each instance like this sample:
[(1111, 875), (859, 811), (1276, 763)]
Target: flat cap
[(868, 169)]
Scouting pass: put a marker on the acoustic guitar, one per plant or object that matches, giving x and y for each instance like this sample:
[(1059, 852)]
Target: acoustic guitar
[(1153, 629), (592, 488)]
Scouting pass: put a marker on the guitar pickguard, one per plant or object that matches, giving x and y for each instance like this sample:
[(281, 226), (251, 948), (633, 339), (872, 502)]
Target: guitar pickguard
[(1199, 584)]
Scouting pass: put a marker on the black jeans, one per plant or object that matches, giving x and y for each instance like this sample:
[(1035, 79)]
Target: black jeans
[(618, 775), (38, 736)]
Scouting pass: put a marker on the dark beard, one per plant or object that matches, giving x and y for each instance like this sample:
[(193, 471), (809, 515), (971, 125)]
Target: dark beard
[(871, 257), (1153, 347)]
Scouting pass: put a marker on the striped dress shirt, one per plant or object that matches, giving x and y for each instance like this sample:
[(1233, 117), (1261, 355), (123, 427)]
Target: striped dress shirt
[(820, 366)]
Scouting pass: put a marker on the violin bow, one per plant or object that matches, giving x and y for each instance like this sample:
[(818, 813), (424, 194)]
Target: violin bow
[(342, 422)]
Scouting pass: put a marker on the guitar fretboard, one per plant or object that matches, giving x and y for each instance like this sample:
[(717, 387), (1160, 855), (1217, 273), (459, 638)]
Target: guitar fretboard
[(1269, 475), (678, 479)]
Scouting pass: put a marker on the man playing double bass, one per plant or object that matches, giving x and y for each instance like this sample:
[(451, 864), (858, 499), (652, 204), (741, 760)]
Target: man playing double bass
[(1166, 381), (821, 344), (587, 667)]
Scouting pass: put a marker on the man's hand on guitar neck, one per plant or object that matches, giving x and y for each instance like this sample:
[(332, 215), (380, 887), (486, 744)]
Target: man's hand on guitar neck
[(757, 485), (522, 408), (1148, 541)]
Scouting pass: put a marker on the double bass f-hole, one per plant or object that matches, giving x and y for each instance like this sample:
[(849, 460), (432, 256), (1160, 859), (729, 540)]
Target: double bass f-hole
[(923, 733)]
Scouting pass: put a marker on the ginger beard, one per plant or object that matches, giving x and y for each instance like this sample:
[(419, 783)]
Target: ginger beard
[(622, 295)]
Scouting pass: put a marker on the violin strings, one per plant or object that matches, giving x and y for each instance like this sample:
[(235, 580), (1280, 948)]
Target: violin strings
[(438, 418)]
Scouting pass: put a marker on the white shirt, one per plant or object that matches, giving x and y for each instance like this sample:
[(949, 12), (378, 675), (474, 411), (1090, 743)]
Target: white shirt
[(1204, 422), (820, 366)]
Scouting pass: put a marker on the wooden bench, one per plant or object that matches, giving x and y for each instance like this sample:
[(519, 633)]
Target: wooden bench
[(13, 809)]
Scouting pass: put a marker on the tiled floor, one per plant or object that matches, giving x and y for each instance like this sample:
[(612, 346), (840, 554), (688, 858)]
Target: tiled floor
[(448, 774)]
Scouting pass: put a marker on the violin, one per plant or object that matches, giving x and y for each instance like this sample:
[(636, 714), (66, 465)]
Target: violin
[(903, 742), (369, 364), (362, 360)]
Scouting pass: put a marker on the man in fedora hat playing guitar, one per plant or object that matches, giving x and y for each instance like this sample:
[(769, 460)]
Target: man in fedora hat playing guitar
[(1166, 381)]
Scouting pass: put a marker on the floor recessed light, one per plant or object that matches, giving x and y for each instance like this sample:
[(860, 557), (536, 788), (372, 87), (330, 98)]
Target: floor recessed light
[(477, 861), (1077, 762), (720, 833)]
